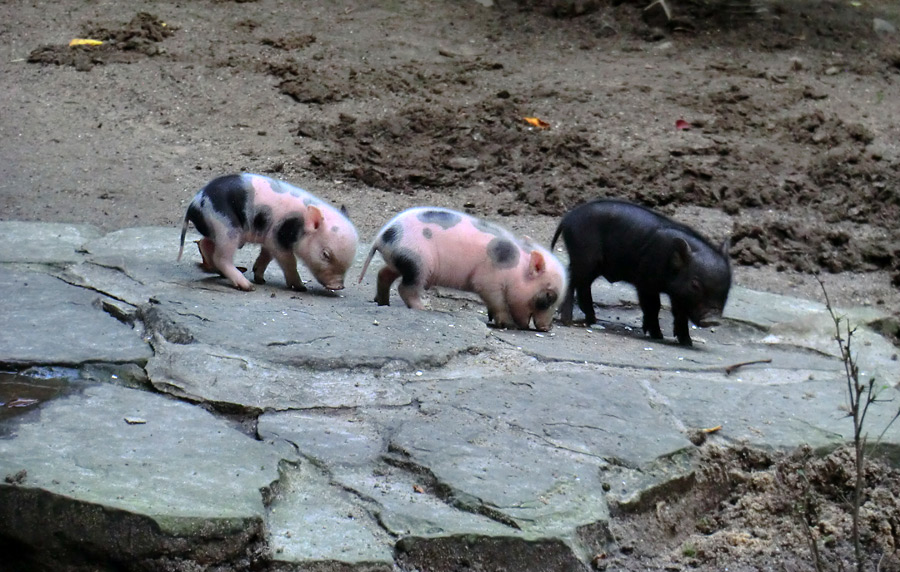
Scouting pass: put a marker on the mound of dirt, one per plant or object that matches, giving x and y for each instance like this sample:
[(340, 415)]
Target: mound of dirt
[(751, 510), (137, 39)]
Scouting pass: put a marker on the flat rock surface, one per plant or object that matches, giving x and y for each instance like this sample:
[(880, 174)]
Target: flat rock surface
[(46, 321), (318, 429)]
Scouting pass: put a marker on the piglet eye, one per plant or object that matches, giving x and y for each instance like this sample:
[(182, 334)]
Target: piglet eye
[(326, 255)]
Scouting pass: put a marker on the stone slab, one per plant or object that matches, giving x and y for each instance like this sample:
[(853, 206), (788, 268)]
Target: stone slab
[(216, 374), (44, 243), (141, 456), (322, 331), (712, 352), (46, 321), (776, 416), (314, 523)]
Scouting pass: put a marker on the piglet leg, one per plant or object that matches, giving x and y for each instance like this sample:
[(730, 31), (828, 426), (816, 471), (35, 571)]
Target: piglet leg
[(386, 277), (223, 260), (259, 267), (206, 247), (288, 263), (497, 309), (650, 304), (412, 295)]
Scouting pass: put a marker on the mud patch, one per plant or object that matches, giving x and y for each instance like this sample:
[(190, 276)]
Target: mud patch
[(813, 246), (136, 40), (486, 143)]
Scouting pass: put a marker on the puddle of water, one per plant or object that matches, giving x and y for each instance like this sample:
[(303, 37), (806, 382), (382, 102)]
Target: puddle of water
[(24, 392)]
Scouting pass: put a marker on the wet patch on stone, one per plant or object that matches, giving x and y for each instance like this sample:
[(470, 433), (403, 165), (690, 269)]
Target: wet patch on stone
[(20, 393)]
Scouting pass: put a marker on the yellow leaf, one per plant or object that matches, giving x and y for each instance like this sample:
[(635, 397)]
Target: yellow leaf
[(85, 42)]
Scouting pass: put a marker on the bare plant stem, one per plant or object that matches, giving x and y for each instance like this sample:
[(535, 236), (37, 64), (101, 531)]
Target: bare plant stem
[(860, 397)]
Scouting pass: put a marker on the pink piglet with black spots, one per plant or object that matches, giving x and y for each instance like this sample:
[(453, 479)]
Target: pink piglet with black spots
[(518, 280), (288, 222)]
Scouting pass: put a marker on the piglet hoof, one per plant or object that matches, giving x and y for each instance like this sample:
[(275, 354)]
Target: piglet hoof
[(298, 287), (685, 341), (245, 287), (259, 280)]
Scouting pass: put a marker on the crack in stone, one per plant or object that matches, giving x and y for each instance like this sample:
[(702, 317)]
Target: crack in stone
[(450, 496), (116, 268), (579, 426), (193, 315), (77, 282), (542, 438), (300, 343), (366, 503)]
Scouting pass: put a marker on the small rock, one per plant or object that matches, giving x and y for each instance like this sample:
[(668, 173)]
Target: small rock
[(883, 26), (833, 70), (16, 479)]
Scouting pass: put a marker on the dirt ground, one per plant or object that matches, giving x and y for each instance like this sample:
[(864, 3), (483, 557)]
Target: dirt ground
[(776, 126)]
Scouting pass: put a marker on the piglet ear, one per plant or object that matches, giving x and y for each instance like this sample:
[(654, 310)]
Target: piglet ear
[(537, 265), (314, 218), (682, 255)]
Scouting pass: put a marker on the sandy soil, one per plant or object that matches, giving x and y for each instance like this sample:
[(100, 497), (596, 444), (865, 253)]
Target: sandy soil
[(773, 125)]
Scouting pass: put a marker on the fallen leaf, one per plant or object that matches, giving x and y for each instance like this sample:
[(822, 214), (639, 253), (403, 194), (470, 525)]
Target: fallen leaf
[(135, 421), (712, 429), (419, 489), (85, 42), (682, 124), (536, 122)]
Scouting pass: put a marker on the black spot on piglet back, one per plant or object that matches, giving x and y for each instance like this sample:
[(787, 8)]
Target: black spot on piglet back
[(289, 232), (392, 234), (195, 215), (444, 219), (409, 265), (503, 253), (545, 299), (229, 197)]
